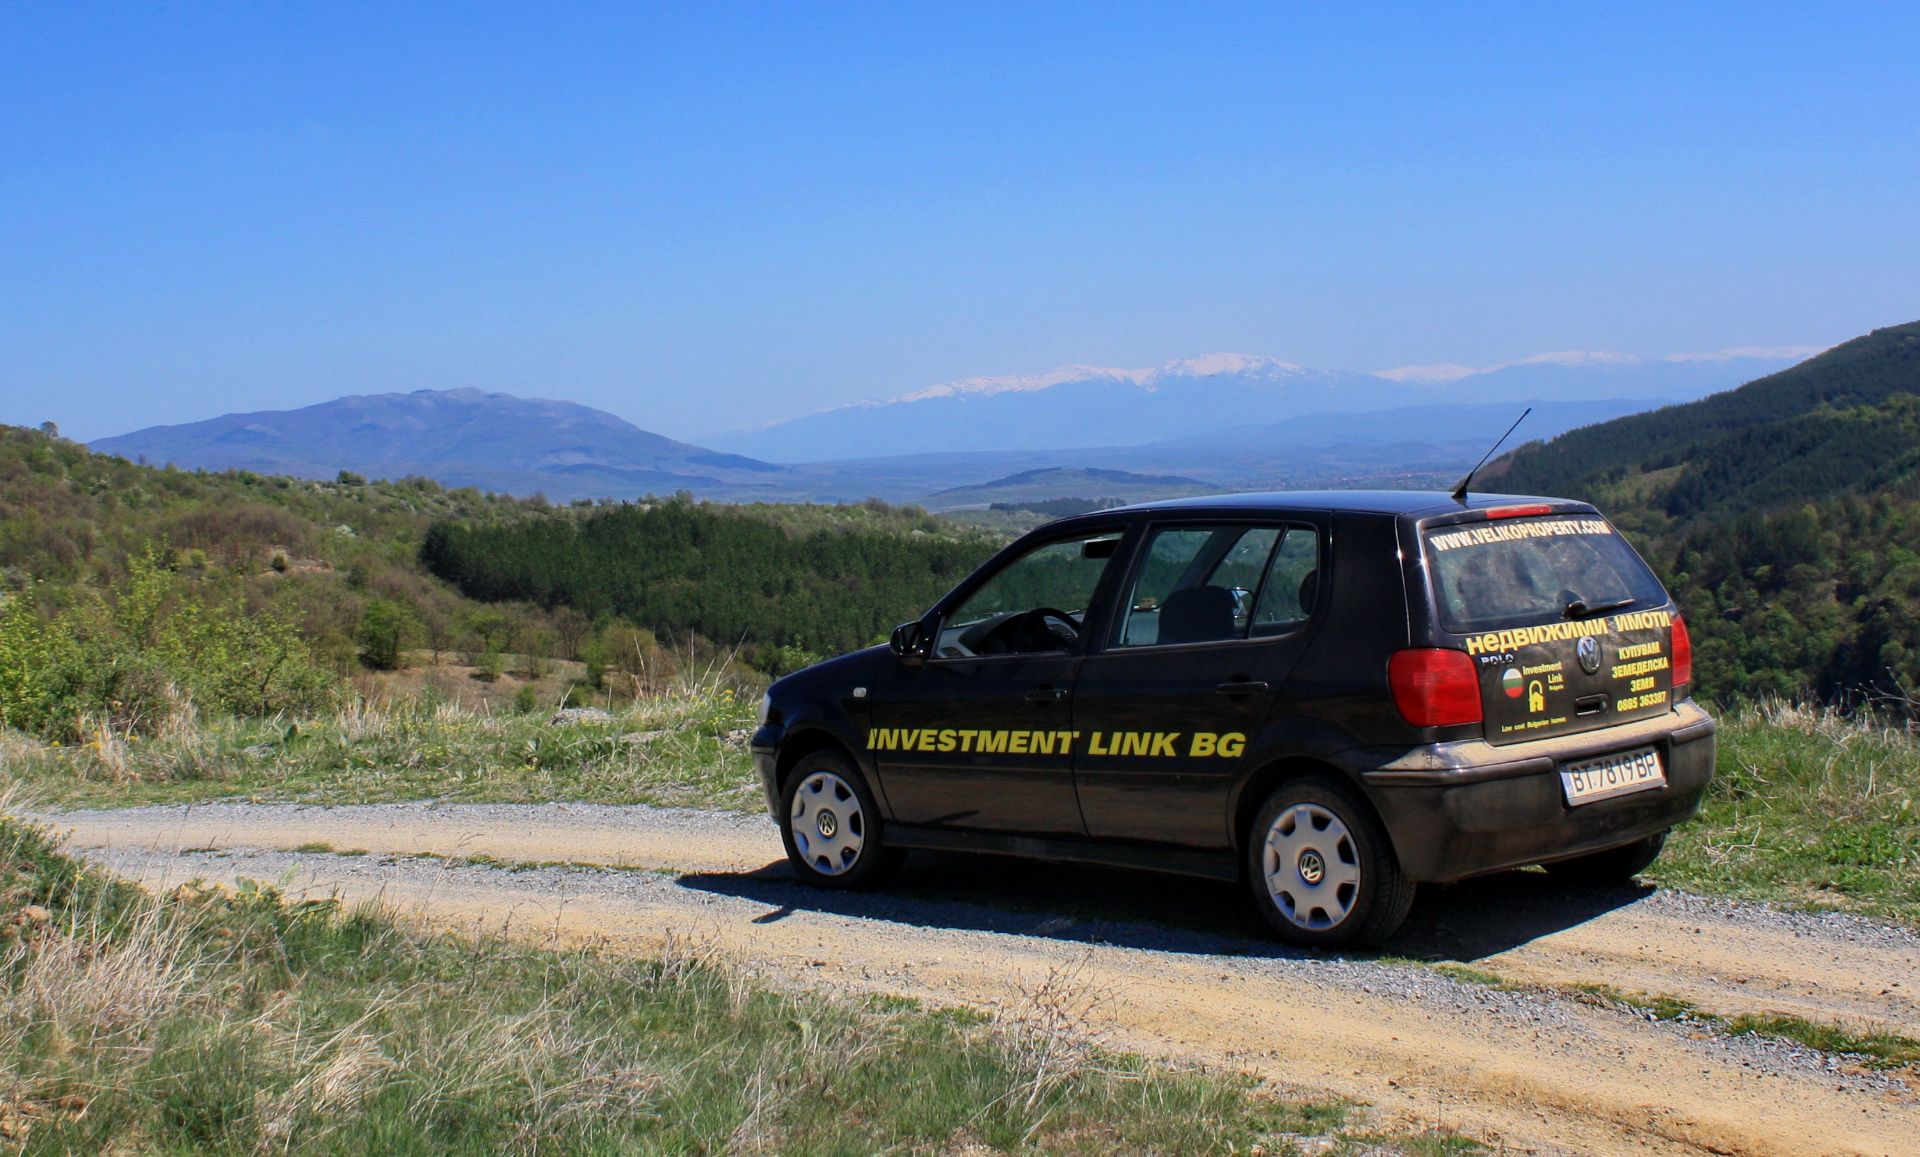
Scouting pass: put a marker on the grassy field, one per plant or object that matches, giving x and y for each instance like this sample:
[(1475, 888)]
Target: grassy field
[(1808, 808), (686, 746), (217, 1020)]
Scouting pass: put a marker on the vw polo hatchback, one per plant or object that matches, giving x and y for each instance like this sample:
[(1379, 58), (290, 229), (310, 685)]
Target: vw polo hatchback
[(1334, 696)]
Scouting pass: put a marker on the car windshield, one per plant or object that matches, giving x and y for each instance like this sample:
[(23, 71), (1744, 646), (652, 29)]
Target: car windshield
[(1509, 573)]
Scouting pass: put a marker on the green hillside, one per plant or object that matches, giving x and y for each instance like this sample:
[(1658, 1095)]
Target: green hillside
[(1785, 516), (1808, 432), (132, 597)]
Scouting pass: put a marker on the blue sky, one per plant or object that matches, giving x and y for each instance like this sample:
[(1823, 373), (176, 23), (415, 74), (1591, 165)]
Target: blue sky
[(704, 216)]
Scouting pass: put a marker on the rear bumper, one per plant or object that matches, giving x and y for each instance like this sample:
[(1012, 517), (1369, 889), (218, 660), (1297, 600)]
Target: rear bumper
[(1463, 809)]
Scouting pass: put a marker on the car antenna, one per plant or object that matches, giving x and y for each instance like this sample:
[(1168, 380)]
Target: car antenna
[(1460, 491)]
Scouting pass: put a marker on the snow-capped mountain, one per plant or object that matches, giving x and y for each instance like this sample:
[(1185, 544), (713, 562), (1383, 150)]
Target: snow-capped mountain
[(1080, 406)]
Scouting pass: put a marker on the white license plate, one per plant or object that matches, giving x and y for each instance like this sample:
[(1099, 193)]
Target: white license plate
[(1611, 775)]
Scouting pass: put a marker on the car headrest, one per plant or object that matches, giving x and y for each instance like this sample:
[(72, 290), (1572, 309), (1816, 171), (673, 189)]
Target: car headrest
[(1197, 615), (1309, 589)]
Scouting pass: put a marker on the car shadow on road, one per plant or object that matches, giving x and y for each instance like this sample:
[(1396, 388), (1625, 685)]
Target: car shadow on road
[(1095, 905)]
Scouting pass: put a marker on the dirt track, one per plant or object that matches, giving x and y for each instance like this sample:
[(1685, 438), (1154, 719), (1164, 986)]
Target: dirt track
[(1186, 970)]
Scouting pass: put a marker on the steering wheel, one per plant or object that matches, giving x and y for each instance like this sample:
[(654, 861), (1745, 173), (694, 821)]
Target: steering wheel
[(1038, 630), (1042, 614), (1039, 626)]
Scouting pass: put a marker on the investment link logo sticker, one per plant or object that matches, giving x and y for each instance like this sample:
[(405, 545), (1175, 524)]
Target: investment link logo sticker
[(1512, 683)]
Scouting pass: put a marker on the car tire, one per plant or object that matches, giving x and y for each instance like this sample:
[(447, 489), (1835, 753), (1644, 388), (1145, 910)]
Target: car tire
[(831, 826), (1322, 870), (1613, 866)]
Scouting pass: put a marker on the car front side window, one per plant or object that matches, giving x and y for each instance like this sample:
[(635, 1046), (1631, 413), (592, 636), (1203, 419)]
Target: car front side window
[(1035, 604)]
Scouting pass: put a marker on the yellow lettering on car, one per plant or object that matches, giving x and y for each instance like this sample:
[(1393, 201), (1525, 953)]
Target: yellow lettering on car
[(1138, 744)]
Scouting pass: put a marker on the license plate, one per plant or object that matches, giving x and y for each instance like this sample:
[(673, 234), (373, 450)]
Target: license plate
[(1612, 775)]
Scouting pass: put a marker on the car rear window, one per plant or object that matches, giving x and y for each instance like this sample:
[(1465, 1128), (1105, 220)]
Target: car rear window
[(1521, 571)]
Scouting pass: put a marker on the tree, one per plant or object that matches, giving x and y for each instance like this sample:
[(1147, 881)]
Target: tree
[(438, 628), (383, 633), (572, 627), (489, 665)]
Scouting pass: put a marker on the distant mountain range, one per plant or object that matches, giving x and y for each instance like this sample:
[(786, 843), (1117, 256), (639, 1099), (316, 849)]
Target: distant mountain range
[(1076, 407), (1051, 482), (1222, 421), (457, 437)]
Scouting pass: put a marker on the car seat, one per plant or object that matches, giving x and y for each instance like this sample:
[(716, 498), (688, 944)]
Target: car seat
[(1197, 615)]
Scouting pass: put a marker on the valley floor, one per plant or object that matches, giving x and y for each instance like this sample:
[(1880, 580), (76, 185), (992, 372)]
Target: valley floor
[(1538, 1018)]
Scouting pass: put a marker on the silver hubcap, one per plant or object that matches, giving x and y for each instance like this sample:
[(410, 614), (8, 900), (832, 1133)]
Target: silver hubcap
[(829, 829), (1312, 868)]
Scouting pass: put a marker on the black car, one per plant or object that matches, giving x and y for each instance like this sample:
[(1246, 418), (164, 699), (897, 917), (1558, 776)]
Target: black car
[(1333, 696)]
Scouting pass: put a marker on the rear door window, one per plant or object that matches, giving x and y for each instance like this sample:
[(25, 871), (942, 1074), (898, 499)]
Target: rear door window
[(1568, 629), (1217, 583), (1515, 572)]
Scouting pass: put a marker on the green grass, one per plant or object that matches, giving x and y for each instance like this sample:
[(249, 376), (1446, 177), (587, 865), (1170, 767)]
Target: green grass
[(1884, 1050), (1879, 1049), (1467, 975), (685, 748), (217, 1020), (1808, 809), (1658, 1007)]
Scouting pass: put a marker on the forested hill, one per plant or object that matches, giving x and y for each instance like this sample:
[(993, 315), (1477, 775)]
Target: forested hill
[(1839, 423), (1784, 515), (732, 575)]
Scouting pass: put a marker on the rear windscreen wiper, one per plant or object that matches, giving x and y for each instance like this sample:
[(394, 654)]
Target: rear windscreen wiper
[(1581, 609)]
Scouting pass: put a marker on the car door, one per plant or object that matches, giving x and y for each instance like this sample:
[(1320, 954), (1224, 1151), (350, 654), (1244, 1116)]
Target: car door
[(981, 735), (1212, 618)]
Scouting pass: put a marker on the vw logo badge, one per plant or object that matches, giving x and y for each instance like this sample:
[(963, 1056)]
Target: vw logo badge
[(1588, 652)]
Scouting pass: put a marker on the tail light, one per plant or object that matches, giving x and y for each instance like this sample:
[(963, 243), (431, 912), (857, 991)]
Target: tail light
[(1682, 655), (1434, 687), (1519, 511)]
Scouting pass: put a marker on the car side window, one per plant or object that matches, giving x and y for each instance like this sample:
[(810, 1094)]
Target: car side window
[(1197, 584), (1034, 604), (1292, 584)]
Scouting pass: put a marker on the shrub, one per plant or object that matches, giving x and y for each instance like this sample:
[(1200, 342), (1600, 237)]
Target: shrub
[(489, 666), (137, 663), (384, 630), (41, 666)]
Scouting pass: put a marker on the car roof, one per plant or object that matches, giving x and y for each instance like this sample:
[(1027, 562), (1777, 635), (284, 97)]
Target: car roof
[(1417, 502)]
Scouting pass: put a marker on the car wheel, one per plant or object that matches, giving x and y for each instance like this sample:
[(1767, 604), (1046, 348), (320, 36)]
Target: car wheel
[(831, 827), (1322, 870), (1613, 866)]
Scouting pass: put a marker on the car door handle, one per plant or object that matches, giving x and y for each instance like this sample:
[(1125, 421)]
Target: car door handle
[(1046, 695), (1241, 687)]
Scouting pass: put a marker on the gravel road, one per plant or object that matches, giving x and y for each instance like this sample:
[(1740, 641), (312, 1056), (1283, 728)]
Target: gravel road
[(1179, 966)]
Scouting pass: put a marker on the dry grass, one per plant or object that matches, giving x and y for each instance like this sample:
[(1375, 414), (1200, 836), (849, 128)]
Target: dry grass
[(230, 1020), (685, 745)]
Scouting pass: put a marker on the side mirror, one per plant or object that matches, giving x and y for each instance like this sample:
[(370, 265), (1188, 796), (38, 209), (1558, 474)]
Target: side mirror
[(909, 643)]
